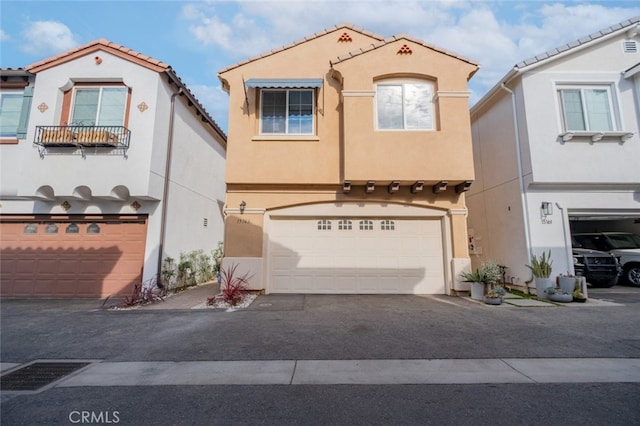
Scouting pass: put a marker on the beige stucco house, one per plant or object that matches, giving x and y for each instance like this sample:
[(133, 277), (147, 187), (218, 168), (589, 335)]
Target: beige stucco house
[(348, 159)]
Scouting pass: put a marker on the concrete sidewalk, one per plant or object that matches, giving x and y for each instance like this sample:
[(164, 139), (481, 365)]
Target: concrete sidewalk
[(358, 372)]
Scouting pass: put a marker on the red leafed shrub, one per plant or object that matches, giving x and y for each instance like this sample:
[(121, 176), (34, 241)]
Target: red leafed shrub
[(233, 287), (142, 294)]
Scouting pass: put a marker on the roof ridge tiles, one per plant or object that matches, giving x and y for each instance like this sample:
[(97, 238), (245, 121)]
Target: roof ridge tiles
[(298, 42), (580, 41)]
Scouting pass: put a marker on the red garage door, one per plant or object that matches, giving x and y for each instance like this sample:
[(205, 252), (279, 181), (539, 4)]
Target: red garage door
[(71, 256)]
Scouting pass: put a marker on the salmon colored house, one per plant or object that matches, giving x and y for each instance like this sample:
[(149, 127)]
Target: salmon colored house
[(347, 163)]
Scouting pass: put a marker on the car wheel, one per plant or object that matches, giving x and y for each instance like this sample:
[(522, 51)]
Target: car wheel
[(632, 274)]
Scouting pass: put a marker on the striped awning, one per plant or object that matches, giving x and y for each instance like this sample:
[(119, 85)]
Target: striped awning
[(284, 83)]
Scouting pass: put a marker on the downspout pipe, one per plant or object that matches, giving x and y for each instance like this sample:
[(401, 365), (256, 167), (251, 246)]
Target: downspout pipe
[(165, 190), (523, 190), (567, 241)]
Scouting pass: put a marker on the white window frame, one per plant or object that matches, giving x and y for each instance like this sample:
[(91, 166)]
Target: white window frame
[(99, 105), (345, 225), (403, 83), (387, 225), (613, 112), (12, 93), (286, 120), (365, 225), (324, 225)]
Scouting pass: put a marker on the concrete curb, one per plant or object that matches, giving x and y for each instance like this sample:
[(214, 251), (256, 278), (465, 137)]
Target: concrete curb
[(363, 372)]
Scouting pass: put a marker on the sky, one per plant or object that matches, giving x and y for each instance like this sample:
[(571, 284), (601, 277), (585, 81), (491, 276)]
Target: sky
[(200, 38)]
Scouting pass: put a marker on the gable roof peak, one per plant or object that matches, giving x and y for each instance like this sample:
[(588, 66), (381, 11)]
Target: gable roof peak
[(92, 46), (301, 41), (591, 38), (397, 37)]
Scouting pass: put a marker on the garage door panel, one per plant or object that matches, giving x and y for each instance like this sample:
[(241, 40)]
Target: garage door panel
[(384, 256), (65, 264)]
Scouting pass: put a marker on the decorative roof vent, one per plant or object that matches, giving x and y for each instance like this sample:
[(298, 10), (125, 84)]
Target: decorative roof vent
[(345, 38), (630, 46), (405, 50)]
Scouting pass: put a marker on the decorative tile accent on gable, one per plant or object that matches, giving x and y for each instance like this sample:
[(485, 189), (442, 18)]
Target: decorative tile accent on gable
[(43, 107), (344, 38), (142, 106), (405, 50)]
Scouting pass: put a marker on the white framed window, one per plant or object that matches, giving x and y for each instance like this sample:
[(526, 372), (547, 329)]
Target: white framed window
[(388, 225), (10, 108), (287, 111), (324, 225), (366, 225), (98, 106), (345, 225), (404, 105), (587, 108)]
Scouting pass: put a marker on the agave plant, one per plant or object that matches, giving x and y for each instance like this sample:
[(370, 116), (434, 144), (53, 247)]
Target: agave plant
[(487, 273), (541, 266)]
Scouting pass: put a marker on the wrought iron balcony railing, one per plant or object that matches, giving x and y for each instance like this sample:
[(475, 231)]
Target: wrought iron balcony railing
[(82, 138)]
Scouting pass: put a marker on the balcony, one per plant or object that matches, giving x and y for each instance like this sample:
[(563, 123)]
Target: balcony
[(82, 139)]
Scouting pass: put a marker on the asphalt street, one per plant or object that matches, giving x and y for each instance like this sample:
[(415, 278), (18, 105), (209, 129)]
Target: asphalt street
[(347, 360)]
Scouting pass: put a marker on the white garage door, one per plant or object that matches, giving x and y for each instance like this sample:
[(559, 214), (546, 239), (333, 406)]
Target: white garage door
[(365, 256)]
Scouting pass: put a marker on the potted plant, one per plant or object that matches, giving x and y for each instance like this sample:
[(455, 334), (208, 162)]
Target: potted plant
[(556, 294), (578, 295), (487, 273), (568, 282), (541, 269), (494, 295)]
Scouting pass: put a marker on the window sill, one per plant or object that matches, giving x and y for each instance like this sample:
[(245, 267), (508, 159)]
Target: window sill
[(285, 138), (621, 137), (9, 141)]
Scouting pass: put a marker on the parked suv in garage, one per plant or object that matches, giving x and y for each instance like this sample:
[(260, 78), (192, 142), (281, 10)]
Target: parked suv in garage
[(623, 245), (600, 269)]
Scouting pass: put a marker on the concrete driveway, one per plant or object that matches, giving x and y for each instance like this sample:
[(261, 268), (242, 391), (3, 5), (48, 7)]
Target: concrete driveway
[(331, 327)]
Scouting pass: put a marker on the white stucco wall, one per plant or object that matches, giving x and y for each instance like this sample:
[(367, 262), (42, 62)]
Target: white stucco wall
[(580, 160), (197, 175), (197, 189), (581, 177)]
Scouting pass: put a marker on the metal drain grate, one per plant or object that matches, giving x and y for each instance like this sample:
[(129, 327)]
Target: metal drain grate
[(37, 375)]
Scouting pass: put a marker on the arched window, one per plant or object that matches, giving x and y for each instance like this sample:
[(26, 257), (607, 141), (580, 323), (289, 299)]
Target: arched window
[(324, 225), (344, 225), (93, 229), (31, 228), (72, 228), (366, 225), (405, 104), (51, 228), (387, 225)]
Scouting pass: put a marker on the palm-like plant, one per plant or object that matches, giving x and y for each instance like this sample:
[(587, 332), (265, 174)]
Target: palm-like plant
[(541, 266), (487, 273)]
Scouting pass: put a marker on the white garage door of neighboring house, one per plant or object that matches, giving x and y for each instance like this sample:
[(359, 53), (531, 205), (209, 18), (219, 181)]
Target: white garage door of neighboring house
[(356, 255)]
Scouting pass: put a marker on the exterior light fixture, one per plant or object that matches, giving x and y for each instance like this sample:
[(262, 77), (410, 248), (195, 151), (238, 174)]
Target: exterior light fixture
[(417, 187), (463, 187), (440, 187), (346, 186), (546, 208), (243, 205), (371, 186), (394, 186)]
